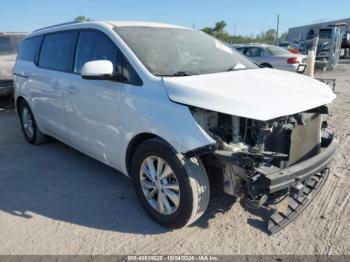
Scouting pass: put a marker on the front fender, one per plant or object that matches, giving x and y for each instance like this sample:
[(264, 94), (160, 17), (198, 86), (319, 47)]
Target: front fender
[(149, 110)]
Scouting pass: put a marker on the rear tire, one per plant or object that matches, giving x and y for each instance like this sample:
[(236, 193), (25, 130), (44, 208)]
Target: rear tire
[(189, 175), (30, 129)]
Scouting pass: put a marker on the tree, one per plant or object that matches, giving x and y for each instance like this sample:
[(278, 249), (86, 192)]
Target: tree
[(82, 18), (283, 37), (219, 32)]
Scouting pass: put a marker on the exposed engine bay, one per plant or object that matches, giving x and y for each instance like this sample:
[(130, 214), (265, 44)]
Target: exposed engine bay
[(264, 162)]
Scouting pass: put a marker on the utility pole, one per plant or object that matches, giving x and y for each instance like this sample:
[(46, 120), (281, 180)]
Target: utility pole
[(234, 34), (278, 27)]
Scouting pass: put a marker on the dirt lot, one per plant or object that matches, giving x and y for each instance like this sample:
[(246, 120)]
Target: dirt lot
[(55, 200)]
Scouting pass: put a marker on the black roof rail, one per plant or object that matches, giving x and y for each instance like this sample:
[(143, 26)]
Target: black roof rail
[(62, 24)]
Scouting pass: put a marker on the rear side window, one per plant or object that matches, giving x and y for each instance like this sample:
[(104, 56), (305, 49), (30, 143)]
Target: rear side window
[(254, 52), (93, 45), (29, 48), (240, 49), (57, 51)]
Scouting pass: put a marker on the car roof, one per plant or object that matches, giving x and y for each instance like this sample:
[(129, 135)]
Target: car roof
[(144, 24), (77, 24)]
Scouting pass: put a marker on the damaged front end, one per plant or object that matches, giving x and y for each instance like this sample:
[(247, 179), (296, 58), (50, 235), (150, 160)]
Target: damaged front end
[(265, 162)]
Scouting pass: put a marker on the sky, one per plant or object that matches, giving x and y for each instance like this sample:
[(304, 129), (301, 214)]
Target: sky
[(248, 17)]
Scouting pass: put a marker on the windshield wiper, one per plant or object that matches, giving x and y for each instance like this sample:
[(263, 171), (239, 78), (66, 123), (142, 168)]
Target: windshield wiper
[(179, 73)]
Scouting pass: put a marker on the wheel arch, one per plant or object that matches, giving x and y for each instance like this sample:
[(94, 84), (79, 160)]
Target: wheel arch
[(18, 102), (133, 145)]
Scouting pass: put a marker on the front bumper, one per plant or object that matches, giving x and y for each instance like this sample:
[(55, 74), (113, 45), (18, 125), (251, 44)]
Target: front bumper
[(276, 179), (297, 184), (300, 172)]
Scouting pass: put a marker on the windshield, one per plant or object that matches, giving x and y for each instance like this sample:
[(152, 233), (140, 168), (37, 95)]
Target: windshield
[(275, 50), (173, 51)]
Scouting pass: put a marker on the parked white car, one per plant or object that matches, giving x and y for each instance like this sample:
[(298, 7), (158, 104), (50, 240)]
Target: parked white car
[(9, 44), (273, 56), (168, 106)]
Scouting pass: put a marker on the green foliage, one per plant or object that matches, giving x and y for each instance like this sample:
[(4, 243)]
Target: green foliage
[(218, 31), (283, 37), (82, 18)]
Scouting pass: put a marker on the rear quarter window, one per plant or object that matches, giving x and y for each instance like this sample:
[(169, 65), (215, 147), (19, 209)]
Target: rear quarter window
[(29, 48), (57, 51)]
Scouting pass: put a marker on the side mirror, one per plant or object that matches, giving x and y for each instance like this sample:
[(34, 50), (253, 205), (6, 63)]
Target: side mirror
[(99, 70)]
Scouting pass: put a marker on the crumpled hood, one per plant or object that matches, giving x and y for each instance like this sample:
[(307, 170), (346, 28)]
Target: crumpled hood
[(260, 94)]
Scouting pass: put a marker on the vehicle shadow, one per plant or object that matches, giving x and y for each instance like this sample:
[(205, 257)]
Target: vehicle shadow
[(263, 214), (57, 182), (6, 103), (219, 202)]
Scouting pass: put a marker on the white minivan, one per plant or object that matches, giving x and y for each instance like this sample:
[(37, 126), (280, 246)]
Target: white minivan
[(169, 107)]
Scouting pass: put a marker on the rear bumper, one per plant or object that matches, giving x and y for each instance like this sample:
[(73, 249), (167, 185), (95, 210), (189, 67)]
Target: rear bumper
[(290, 67)]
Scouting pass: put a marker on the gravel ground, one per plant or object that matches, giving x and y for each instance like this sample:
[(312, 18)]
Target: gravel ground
[(55, 200)]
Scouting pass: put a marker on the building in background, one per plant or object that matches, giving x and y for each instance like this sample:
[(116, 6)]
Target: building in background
[(295, 34)]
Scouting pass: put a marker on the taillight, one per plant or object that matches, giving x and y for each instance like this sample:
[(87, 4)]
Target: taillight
[(292, 60)]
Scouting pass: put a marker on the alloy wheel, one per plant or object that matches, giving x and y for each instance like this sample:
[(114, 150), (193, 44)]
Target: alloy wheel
[(28, 122), (159, 185)]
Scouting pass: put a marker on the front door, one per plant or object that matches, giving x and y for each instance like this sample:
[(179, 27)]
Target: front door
[(92, 106)]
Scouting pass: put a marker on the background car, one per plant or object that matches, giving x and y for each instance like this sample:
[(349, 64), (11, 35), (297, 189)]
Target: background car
[(273, 56), (291, 47), (9, 44)]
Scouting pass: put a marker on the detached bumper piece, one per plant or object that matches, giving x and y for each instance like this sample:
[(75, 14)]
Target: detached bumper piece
[(304, 180), (297, 202)]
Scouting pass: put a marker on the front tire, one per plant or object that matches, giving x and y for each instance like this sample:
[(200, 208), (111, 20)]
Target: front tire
[(29, 127), (173, 190)]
